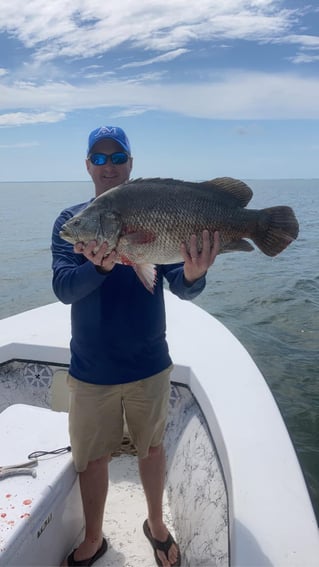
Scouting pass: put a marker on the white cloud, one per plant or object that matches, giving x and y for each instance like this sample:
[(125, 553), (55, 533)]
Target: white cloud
[(20, 118), (308, 48), (233, 95), (60, 32), (89, 27), (132, 111), (159, 59), (97, 74), (307, 41), (19, 145), (304, 58)]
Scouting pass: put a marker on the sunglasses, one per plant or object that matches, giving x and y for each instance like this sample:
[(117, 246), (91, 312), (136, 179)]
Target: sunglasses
[(117, 158)]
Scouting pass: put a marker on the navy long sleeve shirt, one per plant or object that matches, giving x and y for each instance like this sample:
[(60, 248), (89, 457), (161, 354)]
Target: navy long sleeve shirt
[(118, 328)]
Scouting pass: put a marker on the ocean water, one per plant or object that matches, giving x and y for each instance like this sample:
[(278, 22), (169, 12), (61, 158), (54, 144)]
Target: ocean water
[(270, 304)]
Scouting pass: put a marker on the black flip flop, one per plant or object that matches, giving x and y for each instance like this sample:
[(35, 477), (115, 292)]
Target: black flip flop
[(161, 545), (87, 562)]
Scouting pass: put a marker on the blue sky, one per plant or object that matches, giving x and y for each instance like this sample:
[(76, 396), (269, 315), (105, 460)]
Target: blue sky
[(202, 89)]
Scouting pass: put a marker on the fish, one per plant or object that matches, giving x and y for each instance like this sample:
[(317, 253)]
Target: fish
[(146, 220)]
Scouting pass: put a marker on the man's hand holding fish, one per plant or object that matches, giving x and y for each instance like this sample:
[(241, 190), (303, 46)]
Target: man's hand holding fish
[(99, 256), (197, 263)]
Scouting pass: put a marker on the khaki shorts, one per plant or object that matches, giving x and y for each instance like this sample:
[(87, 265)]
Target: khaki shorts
[(96, 416)]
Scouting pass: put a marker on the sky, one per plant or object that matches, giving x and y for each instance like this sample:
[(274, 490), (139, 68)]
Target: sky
[(203, 89)]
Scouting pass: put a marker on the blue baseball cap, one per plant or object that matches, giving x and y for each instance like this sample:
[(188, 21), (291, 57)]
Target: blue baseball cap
[(109, 133)]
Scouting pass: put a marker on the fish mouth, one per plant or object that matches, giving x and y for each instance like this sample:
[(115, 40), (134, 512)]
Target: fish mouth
[(67, 234)]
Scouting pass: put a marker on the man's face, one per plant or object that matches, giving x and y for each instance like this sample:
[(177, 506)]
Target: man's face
[(109, 175)]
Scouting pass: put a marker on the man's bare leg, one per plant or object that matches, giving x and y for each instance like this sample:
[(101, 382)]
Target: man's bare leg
[(152, 472), (94, 486)]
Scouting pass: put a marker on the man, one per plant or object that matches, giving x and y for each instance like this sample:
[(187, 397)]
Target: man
[(119, 356)]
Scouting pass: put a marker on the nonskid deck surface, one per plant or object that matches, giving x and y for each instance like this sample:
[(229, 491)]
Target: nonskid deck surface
[(124, 515)]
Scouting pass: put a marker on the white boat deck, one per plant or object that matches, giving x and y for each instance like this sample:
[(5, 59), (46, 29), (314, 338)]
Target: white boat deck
[(124, 516)]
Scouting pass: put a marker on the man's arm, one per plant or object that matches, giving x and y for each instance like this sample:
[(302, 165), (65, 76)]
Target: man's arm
[(73, 276)]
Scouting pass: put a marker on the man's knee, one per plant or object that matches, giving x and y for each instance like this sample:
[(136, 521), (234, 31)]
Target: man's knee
[(155, 451), (97, 464)]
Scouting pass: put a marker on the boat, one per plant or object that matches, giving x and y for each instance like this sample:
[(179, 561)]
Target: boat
[(235, 493)]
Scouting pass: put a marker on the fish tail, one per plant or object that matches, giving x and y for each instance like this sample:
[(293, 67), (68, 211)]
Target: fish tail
[(276, 228)]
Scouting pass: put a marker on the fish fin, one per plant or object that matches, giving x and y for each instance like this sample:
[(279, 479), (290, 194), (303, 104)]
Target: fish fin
[(125, 261), (147, 275), (277, 227), (237, 246), (133, 237), (238, 193)]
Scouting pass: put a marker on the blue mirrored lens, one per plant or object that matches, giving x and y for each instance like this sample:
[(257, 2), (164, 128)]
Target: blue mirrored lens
[(117, 158), (98, 159)]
